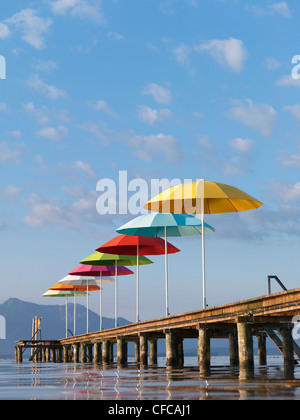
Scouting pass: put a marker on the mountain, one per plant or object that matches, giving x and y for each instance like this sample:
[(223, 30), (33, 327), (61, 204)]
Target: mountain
[(18, 317)]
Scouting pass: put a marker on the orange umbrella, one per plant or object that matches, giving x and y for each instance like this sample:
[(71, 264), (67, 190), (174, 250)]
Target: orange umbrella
[(69, 287), (76, 288)]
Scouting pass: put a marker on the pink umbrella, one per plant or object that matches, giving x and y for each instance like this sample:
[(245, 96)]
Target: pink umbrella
[(99, 271)]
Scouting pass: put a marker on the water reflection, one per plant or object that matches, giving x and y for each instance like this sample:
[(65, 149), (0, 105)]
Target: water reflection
[(135, 382)]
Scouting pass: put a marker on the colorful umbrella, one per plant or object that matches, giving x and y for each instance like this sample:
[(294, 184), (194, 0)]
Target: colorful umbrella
[(77, 288), (87, 281), (98, 258), (66, 294), (164, 224), (202, 197), (99, 270), (136, 245)]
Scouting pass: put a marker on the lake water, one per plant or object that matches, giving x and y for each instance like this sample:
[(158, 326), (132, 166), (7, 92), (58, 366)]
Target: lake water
[(58, 381)]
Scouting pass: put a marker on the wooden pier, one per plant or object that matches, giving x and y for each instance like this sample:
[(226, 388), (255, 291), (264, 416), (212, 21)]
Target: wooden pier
[(265, 316)]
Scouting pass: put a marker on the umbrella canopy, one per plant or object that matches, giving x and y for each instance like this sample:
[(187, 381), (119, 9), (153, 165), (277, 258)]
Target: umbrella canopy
[(66, 294), (189, 199), (154, 224), (61, 293), (111, 259), (77, 288), (96, 270), (202, 197), (164, 224), (101, 271), (98, 258), (137, 245), (84, 281)]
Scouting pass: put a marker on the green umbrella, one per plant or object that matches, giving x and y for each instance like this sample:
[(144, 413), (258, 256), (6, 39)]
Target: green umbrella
[(66, 294), (100, 258)]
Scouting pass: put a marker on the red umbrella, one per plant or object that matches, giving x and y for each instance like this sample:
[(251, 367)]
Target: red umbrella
[(99, 271), (137, 245)]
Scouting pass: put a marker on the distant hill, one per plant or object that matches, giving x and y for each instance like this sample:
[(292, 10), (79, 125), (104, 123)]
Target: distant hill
[(18, 317)]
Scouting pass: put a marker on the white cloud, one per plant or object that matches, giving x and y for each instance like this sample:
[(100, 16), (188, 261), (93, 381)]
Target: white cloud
[(159, 93), (4, 31), (262, 117), (294, 110), (32, 27), (11, 192), (53, 133), (50, 91), (3, 106), (10, 155), (241, 145), (280, 8), (45, 115), (182, 54), (151, 116), (45, 65), (45, 211), (85, 167), (227, 52), (103, 106), (154, 146), (271, 63), (287, 192), (288, 81), (84, 9)]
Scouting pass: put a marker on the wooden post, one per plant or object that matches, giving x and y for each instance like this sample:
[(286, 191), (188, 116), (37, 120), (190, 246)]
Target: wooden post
[(288, 351), (18, 354), (233, 348), (47, 354), (180, 352), (137, 351), (97, 352), (111, 352), (204, 350), (171, 348), (65, 354), (153, 351), (82, 353), (262, 348), (121, 350), (90, 353), (53, 354), (143, 349), (75, 352), (105, 351), (59, 357), (245, 340)]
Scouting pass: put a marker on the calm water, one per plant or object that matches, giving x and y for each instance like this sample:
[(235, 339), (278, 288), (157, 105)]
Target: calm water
[(56, 381)]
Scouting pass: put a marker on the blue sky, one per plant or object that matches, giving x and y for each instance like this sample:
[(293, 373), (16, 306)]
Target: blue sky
[(182, 89)]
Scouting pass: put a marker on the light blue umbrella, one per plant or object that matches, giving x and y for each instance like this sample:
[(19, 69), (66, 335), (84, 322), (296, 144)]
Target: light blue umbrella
[(164, 225)]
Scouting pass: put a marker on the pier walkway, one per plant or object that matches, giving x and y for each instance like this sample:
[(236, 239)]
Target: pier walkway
[(265, 316)]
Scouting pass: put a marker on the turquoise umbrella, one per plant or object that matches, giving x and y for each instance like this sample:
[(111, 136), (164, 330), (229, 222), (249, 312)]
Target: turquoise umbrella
[(164, 225)]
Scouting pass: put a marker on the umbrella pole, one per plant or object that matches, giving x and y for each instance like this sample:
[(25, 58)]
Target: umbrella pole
[(87, 307), (116, 294), (66, 316), (203, 256), (166, 273), (74, 311), (100, 300), (137, 286)]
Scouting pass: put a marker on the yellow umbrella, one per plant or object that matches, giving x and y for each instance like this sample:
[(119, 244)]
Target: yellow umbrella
[(202, 197)]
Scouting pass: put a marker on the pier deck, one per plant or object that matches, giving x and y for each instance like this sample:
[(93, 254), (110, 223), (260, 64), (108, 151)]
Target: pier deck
[(238, 321)]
